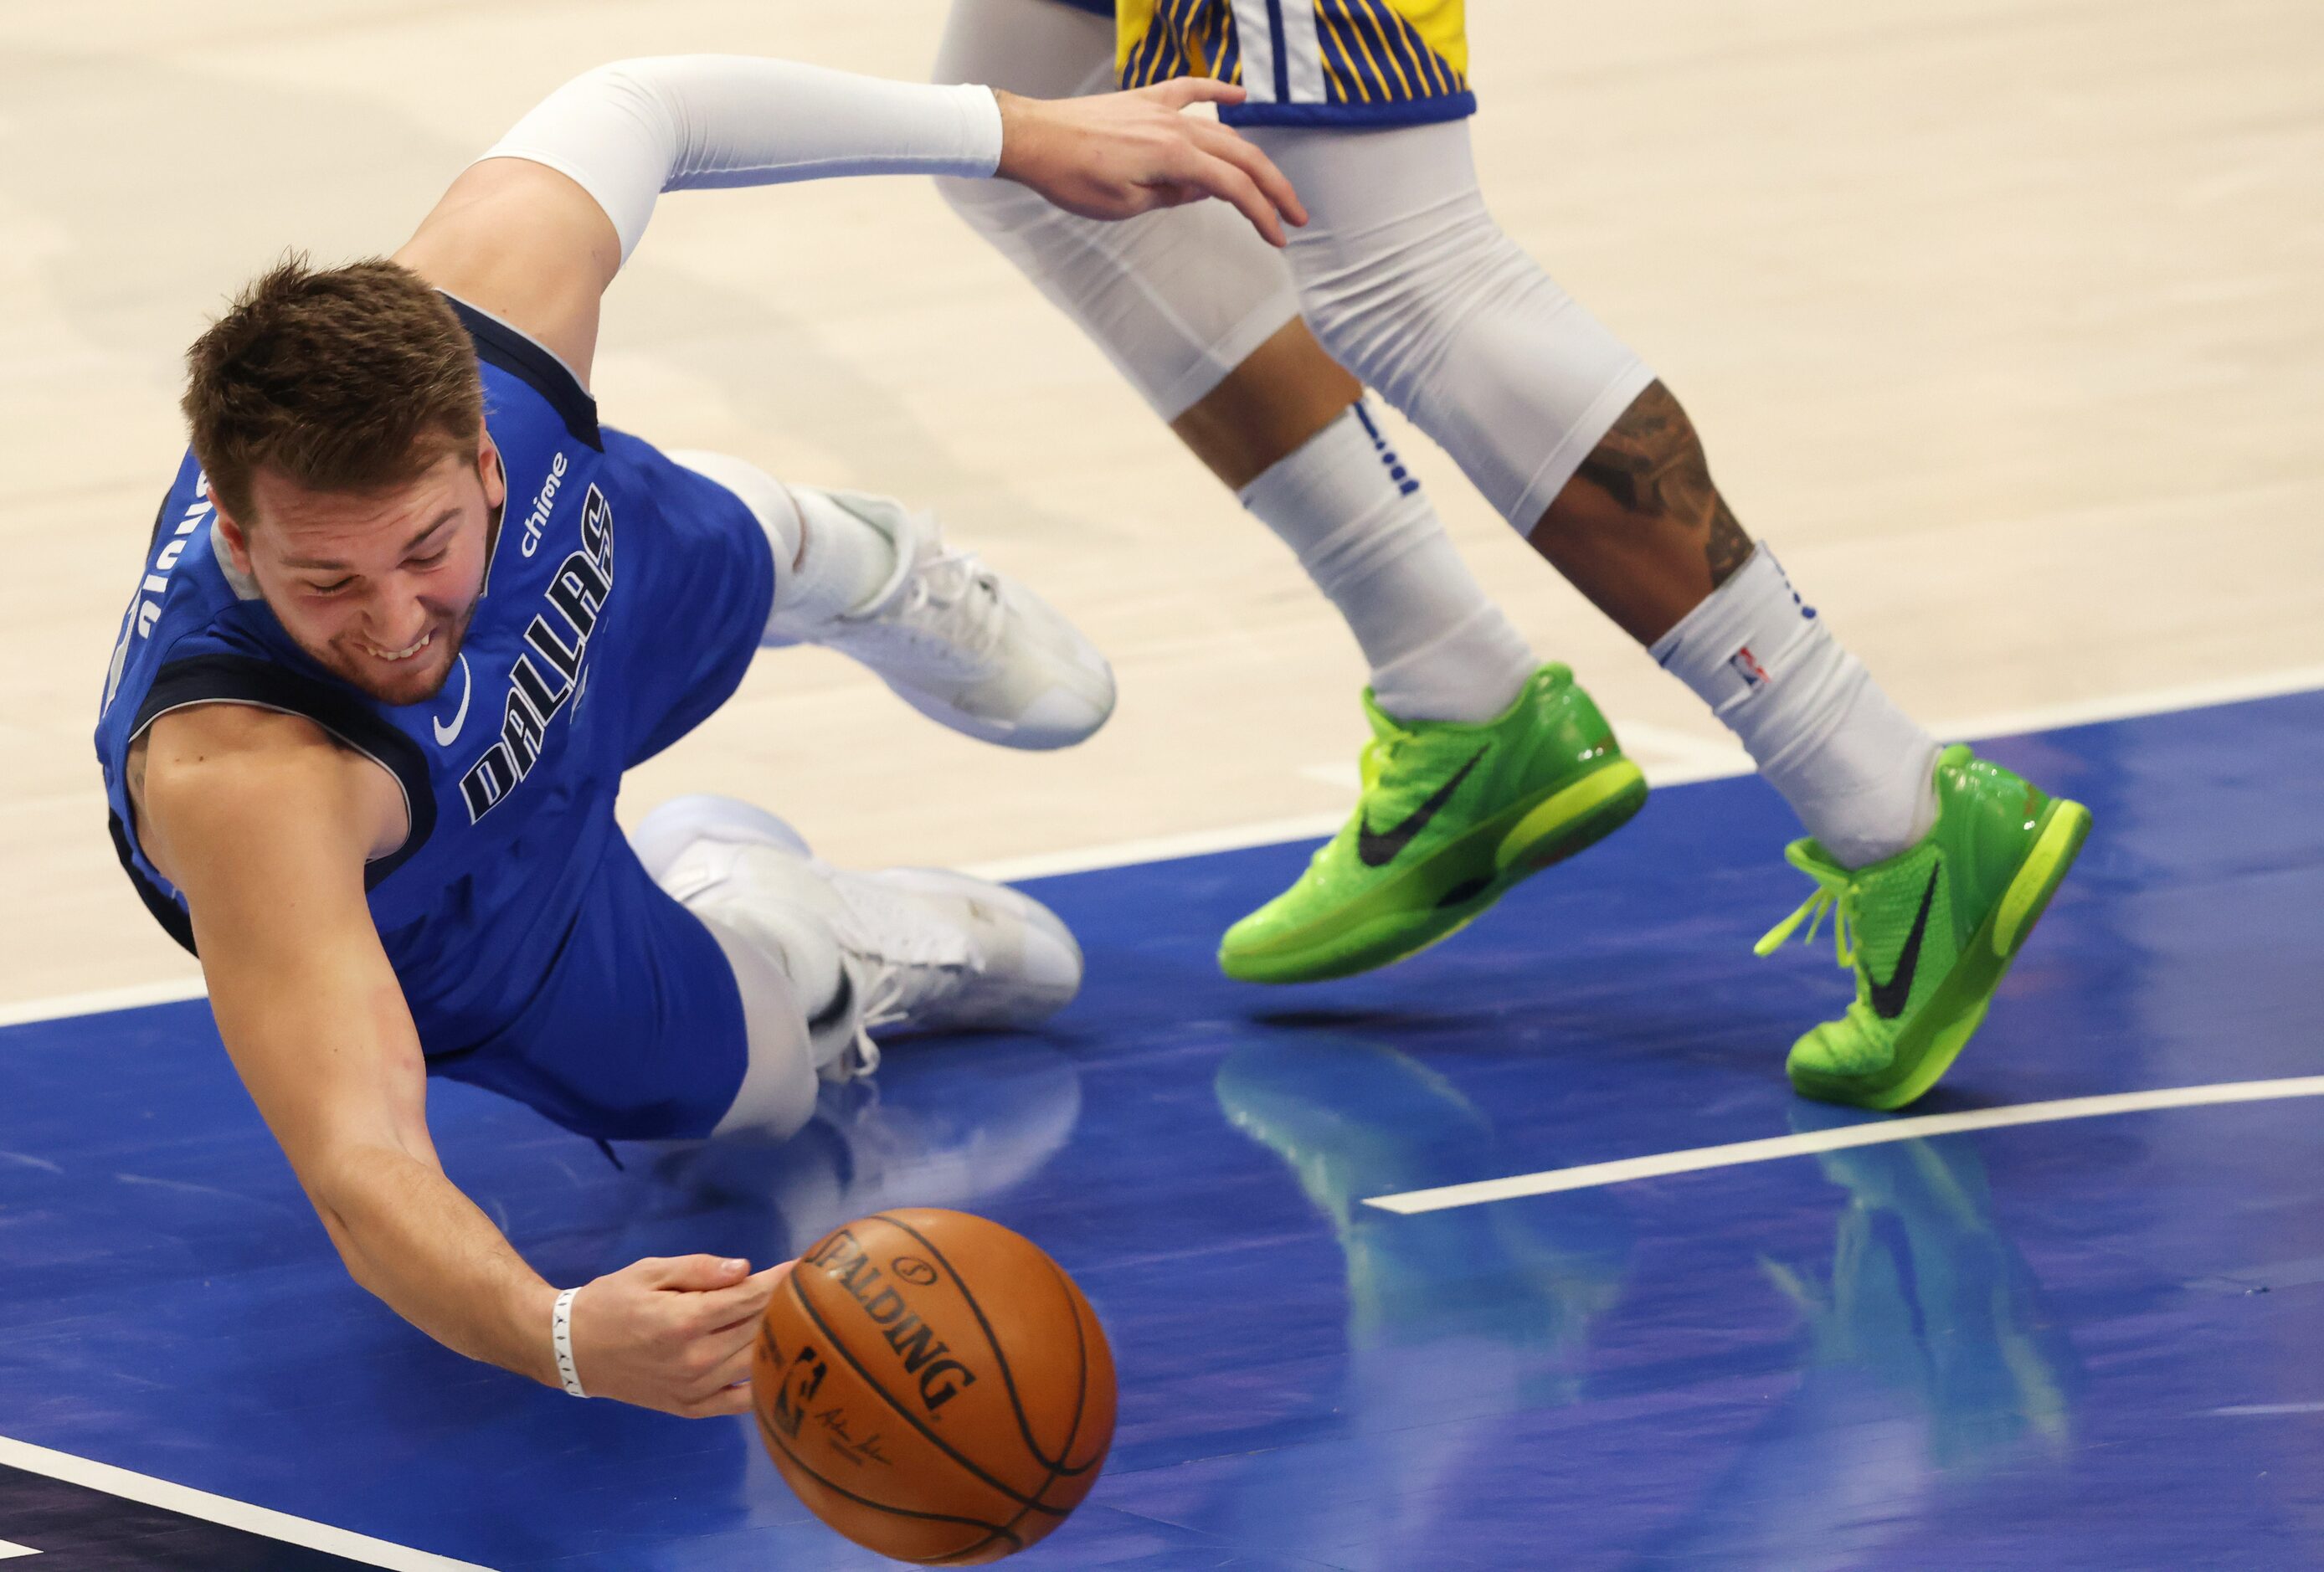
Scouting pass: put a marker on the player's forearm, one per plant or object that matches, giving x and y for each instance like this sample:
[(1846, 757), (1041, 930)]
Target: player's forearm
[(411, 1237), (627, 132)]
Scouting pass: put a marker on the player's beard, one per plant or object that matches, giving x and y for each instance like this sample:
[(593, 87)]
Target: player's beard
[(386, 682)]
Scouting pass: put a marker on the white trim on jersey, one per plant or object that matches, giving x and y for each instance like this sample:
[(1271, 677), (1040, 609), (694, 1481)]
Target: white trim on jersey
[(1302, 53), (341, 737), (1256, 34)]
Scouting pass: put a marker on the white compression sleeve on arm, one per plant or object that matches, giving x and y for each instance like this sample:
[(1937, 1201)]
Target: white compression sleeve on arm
[(627, 132)]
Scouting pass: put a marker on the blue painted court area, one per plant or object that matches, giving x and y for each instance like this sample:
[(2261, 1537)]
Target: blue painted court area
[(2091, 1344)]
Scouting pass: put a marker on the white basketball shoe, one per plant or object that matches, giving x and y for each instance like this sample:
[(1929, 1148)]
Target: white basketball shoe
[(965, 646), (917, 949)]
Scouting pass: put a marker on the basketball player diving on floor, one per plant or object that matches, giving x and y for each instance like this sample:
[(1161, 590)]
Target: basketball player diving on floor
[(407, 613), (1486, 766)]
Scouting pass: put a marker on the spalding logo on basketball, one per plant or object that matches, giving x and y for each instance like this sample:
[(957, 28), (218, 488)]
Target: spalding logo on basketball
[(934, 1387)]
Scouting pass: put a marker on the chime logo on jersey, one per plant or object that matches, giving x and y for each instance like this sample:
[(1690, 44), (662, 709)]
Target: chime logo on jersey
[(543, 680)]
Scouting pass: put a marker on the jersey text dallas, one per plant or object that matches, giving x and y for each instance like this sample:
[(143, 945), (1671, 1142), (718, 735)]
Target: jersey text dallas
[(542, 681)]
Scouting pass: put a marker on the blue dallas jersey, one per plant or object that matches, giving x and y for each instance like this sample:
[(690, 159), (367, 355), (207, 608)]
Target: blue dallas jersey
[(624, 597)]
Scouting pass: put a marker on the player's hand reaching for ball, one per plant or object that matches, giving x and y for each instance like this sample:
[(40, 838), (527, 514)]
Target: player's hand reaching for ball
[(673, 1333), (1115, 155)]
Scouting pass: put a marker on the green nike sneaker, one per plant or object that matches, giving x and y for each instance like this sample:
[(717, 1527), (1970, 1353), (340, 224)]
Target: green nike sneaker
[(1452, 816), (1931, 931)]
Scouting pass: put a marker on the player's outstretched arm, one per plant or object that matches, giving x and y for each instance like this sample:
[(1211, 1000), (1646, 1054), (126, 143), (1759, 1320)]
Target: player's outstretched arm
[(536, 230), (266, 825)]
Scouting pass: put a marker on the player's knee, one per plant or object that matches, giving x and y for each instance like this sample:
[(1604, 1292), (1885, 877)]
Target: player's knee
[(769, 499), (1392, 311), (1461, 328)]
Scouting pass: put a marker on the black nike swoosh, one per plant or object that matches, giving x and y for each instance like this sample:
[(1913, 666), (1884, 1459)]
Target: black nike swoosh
[(1378, 849), (1888, 997)]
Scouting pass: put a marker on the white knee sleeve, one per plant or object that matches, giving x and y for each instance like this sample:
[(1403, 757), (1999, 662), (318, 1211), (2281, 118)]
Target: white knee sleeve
[(786, 964), (827, 560), (769, 499), (1405, 277), (1177, 300), (777, 1095)]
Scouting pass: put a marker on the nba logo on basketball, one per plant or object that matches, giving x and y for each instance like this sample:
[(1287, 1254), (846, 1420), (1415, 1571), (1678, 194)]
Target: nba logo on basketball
[(798, 1389), (1747, 667)]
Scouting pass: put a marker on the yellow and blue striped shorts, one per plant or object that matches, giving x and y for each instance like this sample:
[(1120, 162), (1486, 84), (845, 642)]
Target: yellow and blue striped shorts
[(1307, 63)]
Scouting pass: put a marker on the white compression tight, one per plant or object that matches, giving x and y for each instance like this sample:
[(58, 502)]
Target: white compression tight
[(1177, 300), (827, 561), (1408, 281)]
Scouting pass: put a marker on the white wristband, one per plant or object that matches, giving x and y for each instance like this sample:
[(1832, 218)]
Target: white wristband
[(560, 1333)]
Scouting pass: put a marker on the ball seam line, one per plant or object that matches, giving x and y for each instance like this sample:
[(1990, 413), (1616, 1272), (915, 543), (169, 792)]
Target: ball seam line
[(871, 1383), (1056, 1466), (992, 1531)]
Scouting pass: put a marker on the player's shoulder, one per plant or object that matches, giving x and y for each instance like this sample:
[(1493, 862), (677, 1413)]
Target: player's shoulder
[(237, 760), (525, 381), (227, 775)]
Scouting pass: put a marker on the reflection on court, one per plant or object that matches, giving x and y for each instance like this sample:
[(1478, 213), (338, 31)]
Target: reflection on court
[(2087, 1343)]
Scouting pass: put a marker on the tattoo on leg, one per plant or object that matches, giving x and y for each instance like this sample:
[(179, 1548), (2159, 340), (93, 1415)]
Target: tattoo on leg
[(1652, 462), (1728, 547)]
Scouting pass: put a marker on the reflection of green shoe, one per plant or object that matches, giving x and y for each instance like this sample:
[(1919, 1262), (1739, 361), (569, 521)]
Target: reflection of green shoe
[(1931, 931), (1452, 816), (1354, 1118)]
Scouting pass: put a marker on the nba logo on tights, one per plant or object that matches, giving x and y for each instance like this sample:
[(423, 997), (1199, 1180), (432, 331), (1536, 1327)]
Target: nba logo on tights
[(1747, 667)]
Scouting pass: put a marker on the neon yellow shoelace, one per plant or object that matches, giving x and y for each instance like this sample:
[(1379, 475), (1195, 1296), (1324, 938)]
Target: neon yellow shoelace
[(1835, 893), (1379, 754)]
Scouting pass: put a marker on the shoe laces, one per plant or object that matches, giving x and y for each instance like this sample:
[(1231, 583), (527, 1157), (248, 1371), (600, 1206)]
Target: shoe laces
[(1835, 893), (1379, 758), (952, 591), (905, 960), (881, 1005)]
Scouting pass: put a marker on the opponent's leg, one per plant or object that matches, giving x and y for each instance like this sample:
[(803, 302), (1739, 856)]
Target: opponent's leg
[(1200, 316), (824, 957), (1473, 740), (1939, 866), (963, 645)]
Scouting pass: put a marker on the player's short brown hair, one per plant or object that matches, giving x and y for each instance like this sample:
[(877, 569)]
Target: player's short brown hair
[(348, 379)]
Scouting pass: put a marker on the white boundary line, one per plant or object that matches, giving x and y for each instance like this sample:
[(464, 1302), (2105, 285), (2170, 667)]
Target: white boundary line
[(1708, 764), (223, 1509), (1872, 1133), (101, 1002), (2233, 690), (1162, 847), (1312, 826)]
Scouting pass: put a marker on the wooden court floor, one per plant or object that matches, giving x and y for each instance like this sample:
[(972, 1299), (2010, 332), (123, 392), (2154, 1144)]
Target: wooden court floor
[(2001, 318), (1519, 1255)]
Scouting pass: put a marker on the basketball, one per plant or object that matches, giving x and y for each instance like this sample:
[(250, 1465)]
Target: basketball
[(934, 1387)]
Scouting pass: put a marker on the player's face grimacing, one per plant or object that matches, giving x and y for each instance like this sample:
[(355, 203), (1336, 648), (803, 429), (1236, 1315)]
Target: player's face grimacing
[(376, 586)]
